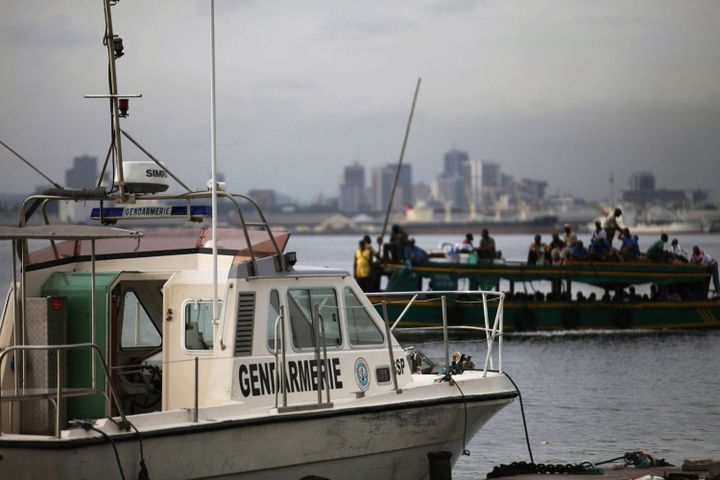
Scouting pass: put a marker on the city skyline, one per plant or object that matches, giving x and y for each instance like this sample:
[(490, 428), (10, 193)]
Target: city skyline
[(560, 91)]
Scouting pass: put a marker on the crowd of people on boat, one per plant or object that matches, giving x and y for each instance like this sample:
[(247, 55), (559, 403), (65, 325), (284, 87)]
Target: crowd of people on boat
[(568, 248), (601, 248)]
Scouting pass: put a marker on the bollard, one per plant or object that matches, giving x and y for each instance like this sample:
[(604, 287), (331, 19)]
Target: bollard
[(440, 465)]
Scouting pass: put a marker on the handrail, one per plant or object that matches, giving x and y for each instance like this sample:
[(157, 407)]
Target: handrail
[(59, 393), (263, 223), (321, 361), (280, 366), (491, 332)]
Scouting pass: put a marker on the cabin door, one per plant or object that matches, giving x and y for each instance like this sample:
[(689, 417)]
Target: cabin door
[(136, 339)]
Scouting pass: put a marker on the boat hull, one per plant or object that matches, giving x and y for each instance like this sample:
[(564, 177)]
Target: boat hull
[(540, 316), (381, 441)]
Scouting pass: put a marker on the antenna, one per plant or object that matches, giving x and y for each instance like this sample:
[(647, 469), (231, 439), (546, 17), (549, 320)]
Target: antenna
[(213, 163), (115, 50)]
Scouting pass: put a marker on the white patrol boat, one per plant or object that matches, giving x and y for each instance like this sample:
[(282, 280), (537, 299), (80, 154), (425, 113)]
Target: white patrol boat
[(177, 354)]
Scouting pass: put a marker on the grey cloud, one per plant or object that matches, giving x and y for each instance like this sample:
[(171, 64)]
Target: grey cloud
[(358, 29), (58, 31), (452, 7), (280, 86)]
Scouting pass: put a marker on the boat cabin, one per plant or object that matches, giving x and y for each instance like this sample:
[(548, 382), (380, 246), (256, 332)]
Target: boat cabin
[(281, 336)]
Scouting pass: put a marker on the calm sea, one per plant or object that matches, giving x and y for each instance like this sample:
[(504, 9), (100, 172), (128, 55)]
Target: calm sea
[(587, 397)]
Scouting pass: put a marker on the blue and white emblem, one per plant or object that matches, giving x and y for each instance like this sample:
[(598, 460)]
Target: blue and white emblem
[(362, 374)]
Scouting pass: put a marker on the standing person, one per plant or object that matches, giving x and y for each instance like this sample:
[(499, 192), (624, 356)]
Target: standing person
[(613, 223), (362, 266), (374, 257), (556, 246), (486, 250), (414, 255), (374, 280), (598, 232), (398, 241), (703, 259)]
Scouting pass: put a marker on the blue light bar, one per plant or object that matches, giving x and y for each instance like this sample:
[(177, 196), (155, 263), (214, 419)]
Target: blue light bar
[(150, 212)]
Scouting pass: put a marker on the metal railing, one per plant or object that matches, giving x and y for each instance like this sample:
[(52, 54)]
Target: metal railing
[(321, 360), (60, 392), (233, 198), (493, 332)]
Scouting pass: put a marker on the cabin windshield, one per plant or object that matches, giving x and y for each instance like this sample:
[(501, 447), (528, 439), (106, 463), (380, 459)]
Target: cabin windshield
[(304, 304), (361, 328)]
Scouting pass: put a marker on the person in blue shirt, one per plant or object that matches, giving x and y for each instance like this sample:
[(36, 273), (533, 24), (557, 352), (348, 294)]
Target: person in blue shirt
[(630, 250), (414, 255), (578, 251), (599, 249)]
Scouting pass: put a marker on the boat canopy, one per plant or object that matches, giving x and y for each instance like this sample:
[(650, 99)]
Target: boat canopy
[(118, 242)]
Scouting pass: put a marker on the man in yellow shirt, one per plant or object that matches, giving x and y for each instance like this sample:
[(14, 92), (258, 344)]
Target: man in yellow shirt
[(363, 257)]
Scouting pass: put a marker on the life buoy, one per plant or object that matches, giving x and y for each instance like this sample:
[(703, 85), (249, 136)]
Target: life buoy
[(623, 319), (525, 320), (570, 318)]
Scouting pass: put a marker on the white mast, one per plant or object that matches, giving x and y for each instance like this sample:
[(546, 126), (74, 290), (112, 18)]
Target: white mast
[(213, 156)]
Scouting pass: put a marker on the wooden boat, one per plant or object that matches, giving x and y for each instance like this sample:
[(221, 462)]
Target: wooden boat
[(681, 300)]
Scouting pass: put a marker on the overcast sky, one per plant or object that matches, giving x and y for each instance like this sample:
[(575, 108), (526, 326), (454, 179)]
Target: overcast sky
[(566, 91)]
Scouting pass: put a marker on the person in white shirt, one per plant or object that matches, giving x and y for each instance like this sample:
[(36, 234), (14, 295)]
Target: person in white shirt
[(613, 223), (678, 252), (703, 259)]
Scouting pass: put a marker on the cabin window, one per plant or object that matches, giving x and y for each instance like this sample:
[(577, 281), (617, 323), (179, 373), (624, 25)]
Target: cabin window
[(138, 330), (361, 328), (273, 313), (198, 315), (303, 305)]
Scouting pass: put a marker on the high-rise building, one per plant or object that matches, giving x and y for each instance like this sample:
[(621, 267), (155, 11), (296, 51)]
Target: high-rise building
[(454, 161), (83, 173), (643, 192), (642, 181), (382, 181), (352, 189), (491, 174), (454, 186)]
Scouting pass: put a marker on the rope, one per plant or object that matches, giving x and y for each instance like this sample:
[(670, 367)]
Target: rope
[(522, 411), (465, 451), (144, 474), (90, 426)]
